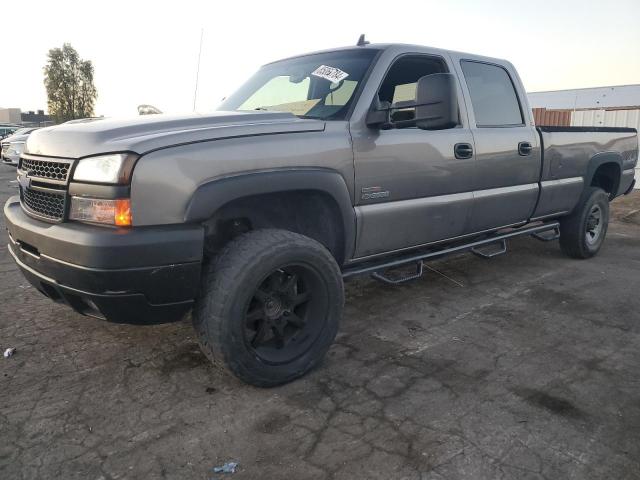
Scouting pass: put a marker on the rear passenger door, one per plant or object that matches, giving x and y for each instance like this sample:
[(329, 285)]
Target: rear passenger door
[(508, 159)]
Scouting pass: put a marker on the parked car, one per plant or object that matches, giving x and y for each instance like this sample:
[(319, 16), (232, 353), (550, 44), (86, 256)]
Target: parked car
[(320, 167), (7, 129), (13, 145)]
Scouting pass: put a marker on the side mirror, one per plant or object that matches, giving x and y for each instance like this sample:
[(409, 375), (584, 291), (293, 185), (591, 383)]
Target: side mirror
[(437, 102), (379, 113), (436, 106)]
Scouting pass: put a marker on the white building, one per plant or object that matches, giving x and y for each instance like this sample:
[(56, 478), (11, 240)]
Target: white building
[(10, 115), (626, 96)]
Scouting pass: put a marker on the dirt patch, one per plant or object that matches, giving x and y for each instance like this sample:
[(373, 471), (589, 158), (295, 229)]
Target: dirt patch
[(627, 206), (186, 357), (632, 217), (273, 422)]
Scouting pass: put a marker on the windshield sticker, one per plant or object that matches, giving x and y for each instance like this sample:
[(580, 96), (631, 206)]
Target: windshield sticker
[(334, 75)]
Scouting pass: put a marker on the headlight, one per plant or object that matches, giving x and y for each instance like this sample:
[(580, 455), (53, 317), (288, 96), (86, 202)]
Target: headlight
[(114, 168), (97, 210), (17, 147)]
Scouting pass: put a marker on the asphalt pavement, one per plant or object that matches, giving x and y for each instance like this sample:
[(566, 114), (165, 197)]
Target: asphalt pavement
[(522, 367)]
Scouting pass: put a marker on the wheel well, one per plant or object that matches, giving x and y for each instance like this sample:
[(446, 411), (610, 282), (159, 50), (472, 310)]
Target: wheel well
[(312, 213), (607, 177)]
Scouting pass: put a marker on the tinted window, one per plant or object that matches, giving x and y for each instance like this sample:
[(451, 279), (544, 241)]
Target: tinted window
[(493, 95)]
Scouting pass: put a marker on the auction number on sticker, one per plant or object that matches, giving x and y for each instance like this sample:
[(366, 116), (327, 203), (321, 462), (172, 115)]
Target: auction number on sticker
[(333, 74)]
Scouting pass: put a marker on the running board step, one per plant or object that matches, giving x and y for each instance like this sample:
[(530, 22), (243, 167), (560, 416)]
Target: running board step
[(385, 278), (502, 250), (380, 265), (555, 234)]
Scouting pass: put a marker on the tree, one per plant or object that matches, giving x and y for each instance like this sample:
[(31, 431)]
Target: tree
[(68, 79)]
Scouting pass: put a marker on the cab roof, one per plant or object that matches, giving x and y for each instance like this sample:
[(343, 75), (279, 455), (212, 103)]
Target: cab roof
[(400, 47)]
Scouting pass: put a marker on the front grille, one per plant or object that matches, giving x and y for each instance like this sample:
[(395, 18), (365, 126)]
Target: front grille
[(44, 183), (47, 204), (51, 169), (5, 147)]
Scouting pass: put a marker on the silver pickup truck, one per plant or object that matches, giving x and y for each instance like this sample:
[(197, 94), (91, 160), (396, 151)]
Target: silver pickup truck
[(320, 167)]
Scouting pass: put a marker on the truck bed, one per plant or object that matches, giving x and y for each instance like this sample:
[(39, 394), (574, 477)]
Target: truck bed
[(571, 154)]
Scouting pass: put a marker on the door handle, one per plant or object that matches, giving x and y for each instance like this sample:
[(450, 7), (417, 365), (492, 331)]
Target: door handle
[(463, 150), (524, 148)]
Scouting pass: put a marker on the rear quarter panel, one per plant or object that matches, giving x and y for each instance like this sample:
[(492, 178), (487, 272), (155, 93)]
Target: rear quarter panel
[(568, 156)]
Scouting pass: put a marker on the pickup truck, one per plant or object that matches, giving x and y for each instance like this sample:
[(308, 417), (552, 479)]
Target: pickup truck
[(320, 167)]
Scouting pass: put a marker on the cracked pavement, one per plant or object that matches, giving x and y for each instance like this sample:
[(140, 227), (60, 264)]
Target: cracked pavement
[(521, 367)]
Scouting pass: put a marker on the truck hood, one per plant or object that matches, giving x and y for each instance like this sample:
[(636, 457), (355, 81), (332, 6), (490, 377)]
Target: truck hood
[(152, 132)]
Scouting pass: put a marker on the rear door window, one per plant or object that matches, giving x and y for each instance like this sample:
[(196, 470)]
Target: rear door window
[(493, 95)]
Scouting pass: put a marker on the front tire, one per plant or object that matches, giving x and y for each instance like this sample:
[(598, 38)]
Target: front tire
[(270, 306), (583, 232)]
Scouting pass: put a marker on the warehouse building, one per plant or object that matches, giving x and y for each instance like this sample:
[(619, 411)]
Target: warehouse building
[(617, 106), (28, 119)]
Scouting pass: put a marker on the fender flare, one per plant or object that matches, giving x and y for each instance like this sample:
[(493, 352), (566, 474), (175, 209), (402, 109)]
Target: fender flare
[(212, 195), (599, 159)]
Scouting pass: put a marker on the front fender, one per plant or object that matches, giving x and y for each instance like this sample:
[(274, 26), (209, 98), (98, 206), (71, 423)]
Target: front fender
[(209, 197)]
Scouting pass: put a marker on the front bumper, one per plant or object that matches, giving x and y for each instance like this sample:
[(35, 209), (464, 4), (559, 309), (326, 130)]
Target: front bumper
[(10, 159), (137, 275)]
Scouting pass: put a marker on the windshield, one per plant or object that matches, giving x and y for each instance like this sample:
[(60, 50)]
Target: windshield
[(319, 86)]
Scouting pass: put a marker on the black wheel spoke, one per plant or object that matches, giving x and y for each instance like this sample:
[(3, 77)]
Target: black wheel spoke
[(295, 320), (260, 335), (275, 281), (278, 333), (255, 314), (301, 298), (289, 283), (261, 295)]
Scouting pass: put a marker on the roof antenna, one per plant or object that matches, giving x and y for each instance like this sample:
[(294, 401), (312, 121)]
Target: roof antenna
[(361, 41), (195, 92)]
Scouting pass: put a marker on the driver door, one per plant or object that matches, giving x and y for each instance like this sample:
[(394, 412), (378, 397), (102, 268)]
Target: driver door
[(412, 186)]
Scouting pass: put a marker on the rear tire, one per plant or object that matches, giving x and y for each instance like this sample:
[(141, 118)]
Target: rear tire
[(583, 232), (270, 306)]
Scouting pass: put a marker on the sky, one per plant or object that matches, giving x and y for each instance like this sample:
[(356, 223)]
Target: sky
[(147, 52)]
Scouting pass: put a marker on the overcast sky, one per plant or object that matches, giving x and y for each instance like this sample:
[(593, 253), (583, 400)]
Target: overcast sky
[(146, 52)]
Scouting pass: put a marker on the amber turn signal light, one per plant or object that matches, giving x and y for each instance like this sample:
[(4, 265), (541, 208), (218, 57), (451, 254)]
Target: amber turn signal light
[(98, 210), (123, 212)]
